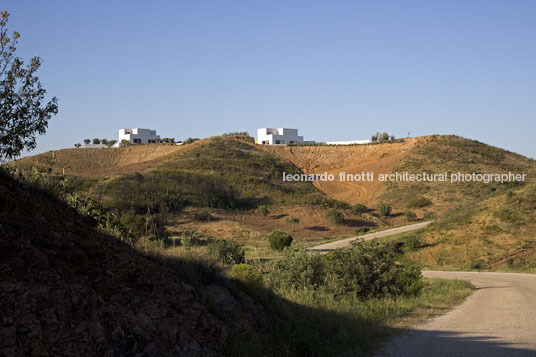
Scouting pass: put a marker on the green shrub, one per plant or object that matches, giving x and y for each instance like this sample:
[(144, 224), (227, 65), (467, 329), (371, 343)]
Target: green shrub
[(428, 216), (370, 270), (385, 209), (296, 271), (410, 216), (359, 208), (203, 216), (366, 270), (263, 210), (419, 202), (190, 140), (247, 275), (361, 230), (279, 240), (335, 216), (292, 220), (413, 241), (226, 251)]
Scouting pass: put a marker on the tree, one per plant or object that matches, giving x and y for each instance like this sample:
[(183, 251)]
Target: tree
[(359, 208), (279, 240), (104, 141), (384, 138), (23, 110), (111, 143), (87, 141), (77, 145), (385, 209), (335, 216), (96, 141)]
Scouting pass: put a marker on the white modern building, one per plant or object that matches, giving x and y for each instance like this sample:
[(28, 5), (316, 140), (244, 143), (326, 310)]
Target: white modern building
[(280, 136), (138, 136)]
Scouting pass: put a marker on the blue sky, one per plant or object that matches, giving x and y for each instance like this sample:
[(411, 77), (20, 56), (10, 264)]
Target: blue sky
[(337, 70)]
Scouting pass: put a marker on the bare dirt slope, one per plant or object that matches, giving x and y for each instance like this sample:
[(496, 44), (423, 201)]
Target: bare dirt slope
[(352, 159), (67, 289), (100, 162), (497, 320)]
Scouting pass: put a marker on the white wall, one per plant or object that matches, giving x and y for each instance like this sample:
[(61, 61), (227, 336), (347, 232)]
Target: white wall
[(273, 136), (352, 142), (138, 136)]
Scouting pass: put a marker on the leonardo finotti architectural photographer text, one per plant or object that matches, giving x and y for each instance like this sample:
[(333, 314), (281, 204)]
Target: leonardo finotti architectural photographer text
[(406, 176)]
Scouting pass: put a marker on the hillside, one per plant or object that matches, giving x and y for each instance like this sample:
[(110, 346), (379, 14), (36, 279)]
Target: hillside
[(230, 178), (68, 289), (496, 233), (226, 176), (100, 162), (431, 154)]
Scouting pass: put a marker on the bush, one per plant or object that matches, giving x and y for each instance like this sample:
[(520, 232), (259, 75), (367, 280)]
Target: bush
[(419, 202), (370, 270), (385, 209), (429, 215), (410, 216), (263, 210), (203, 216), (193, 238), (296, 271), (227, 252), (335, 216), (293, 220), (361, 230), (359, 209), (190, 140), (413, 241), (366, 270), (279, 240), (247, 275)]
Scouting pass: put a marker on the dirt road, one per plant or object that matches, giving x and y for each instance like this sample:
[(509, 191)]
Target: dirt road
[(498, 319), (343, 243)]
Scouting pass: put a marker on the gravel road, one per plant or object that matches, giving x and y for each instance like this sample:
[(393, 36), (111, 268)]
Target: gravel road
[(343, 243), (498, 319)]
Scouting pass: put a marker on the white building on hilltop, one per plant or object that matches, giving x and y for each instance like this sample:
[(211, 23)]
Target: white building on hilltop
[(138, 136), (280, 136)]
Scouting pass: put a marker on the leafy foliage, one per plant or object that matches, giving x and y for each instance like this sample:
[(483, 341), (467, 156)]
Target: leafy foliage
[(366, 270), (279, 240), (263, 210), (335, 216), (419, 202), (385, 209), (359, 208), (227, 251), (23, 113), (410, 215), (203, 216)]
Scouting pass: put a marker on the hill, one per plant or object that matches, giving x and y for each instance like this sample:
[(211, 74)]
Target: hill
[(228, 177), (430, 154), (68, 289), (495, 233), (225, 179)]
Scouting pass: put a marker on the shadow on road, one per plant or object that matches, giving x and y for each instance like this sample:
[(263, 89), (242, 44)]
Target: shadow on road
[(417, 343)]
